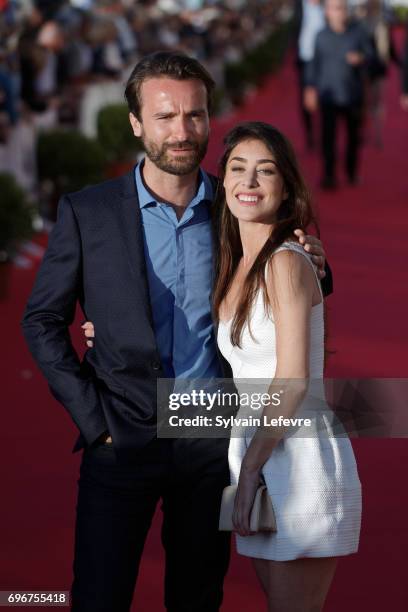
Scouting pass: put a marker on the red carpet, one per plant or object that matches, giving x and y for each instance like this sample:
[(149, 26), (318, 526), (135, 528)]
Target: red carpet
[(364, 235)]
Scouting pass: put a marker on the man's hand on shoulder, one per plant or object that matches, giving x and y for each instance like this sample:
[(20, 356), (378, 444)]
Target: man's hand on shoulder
[(314, 246)]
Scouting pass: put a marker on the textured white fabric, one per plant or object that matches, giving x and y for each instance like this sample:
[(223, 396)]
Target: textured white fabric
[(313, 481)]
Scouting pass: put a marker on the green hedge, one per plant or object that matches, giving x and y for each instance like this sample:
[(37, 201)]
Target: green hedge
[(16, 215), (69, 159), (115, 134), (401, 13)]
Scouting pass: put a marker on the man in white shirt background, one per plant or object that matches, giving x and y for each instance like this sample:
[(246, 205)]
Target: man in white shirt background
[(310, 19)]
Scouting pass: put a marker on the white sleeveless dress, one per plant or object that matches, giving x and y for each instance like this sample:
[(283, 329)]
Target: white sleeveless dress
[(313, 481)]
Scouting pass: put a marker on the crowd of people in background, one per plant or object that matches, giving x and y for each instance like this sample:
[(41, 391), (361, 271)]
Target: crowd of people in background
[(61, 60), (48, 45)]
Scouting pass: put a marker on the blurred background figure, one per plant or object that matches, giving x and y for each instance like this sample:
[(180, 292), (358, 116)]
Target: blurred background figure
[(335, 83), (9, 81), (375, 18), (41, 61), (309, 21)]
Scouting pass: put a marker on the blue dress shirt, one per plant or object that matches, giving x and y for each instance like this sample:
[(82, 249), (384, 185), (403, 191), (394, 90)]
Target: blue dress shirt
[(180, 273)]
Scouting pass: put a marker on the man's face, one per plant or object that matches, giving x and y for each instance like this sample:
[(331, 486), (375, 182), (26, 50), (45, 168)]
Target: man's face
[(336, 13), (174, 124)]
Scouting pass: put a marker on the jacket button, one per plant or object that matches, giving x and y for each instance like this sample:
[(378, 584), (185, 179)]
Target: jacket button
[(156, 365)]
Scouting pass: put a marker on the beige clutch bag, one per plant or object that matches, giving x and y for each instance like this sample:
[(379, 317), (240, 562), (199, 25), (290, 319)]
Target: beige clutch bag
[(262, 515)]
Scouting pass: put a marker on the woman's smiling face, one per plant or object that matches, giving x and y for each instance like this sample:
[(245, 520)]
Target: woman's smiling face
[(254, 187)]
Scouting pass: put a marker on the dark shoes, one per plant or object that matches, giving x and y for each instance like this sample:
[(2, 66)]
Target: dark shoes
[(310, 143), (353, 180), (328, 183)]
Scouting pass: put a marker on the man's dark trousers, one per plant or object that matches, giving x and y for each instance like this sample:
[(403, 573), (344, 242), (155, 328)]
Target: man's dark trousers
[(353, 118), (116, 504), (307, 116)]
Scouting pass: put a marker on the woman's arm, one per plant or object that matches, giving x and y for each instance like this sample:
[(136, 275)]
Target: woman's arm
[(292, 289)]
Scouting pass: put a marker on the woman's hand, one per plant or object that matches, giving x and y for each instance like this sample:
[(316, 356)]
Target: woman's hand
[(314, 246), (244, 500), (89, 332)]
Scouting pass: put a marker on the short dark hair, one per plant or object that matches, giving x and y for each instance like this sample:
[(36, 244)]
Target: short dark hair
[(170, 64)]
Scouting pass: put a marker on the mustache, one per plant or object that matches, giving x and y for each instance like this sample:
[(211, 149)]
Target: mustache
[(181, 145)]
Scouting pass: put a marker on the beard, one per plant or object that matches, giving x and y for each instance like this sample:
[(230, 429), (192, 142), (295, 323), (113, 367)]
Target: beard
[(182, 164)]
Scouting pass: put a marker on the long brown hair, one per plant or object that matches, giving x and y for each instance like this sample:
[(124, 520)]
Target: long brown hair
[(295, 212)]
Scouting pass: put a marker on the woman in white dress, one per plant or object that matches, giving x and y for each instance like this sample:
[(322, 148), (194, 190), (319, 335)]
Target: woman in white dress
[(269, 305)]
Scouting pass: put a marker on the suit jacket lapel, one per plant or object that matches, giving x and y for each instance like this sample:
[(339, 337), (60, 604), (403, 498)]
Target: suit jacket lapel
[(132, 233)]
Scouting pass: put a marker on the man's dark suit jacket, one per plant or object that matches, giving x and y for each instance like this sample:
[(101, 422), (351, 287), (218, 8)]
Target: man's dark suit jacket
[(96, 256)]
